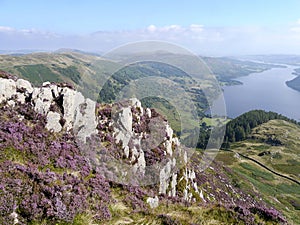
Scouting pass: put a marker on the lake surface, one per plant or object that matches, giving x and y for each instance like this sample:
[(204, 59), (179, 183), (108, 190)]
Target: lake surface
[(267, 91)]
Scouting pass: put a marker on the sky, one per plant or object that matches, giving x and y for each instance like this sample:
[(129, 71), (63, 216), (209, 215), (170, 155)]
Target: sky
[(208, 27)]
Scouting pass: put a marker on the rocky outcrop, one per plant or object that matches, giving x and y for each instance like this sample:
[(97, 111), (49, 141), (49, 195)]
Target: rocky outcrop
[(63, 107)]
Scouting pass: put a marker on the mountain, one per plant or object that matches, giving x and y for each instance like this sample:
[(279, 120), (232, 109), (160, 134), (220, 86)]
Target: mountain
[(85, 72), (227, 69), (104, 79), (295, 83), (276, 59), (66, 159), (89, 71)]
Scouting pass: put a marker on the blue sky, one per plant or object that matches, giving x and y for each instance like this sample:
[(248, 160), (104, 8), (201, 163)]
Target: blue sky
[(213, 27)]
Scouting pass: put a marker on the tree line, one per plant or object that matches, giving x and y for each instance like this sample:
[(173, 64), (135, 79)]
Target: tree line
[(239, 128)]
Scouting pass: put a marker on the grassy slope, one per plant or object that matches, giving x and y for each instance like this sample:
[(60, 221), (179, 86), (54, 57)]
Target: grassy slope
[(283, 159), (86, 72)]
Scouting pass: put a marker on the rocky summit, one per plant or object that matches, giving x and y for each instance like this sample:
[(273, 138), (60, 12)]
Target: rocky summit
[(65, 159)]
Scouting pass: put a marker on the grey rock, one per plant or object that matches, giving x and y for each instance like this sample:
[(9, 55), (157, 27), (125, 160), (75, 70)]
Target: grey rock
[(169, 131), (123, 126), (164, 177), (168, 146), (135, 103), (20, 83), (173, 185), (7, 89), (21, 97), (71, 101), (148, 112), (46, 84), (85, 120), (153, 202), (140, 164), (53, 122), (42, 98), (125, 119)]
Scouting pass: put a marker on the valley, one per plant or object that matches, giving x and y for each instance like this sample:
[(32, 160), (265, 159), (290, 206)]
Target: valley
[(254, 178)]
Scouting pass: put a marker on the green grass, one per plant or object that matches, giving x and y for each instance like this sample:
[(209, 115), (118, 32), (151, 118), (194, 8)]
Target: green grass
[(288, 169), (38, 73), (70, 72), (226, 157), (13, 154), (214, 121), (257, 173), (278, 192), (261, 147)]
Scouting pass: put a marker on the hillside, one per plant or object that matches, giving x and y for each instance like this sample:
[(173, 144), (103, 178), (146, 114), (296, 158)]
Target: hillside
[(67, 160), (227, 69), (294, 83), (280, 156), (105, 80), (86, 72), (276, 59), (87, 69)]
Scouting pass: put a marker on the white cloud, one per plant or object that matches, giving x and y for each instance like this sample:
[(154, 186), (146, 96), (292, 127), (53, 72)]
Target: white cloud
[(196, 28), (151, 28), (6, 29), (296, 27), (171, 28), (195, 37)]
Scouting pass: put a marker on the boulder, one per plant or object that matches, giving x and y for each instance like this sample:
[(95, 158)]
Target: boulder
[(53, 124), (164, 176), (21, 97), (24, 84), (71, 101), (125, 119), (85, 120), (7, 89), (123, 126), (153, 202), (42, 99), (173, 185), (148, 112)]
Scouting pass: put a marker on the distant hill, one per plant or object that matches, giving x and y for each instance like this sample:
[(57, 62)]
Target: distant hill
[(295, 83), (227, 69), (280, 59), (239, 128), (86, 72)]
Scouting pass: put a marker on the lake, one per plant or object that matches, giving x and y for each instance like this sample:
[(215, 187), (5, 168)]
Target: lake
[(266, 90)]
